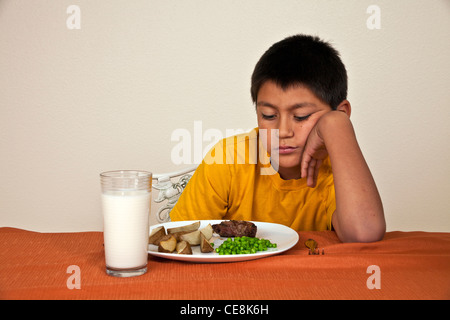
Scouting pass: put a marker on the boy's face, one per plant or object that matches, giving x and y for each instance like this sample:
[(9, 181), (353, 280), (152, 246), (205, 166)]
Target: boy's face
[(294, 112)]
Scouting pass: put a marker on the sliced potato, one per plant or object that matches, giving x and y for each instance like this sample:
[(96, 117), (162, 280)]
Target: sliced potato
[(156, 235), (183, 247), (190, 227), (192, 237), (205, 246), (167, 244), (207, 231), (178, 235)]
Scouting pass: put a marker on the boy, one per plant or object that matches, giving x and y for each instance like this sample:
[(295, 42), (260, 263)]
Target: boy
[(320, 180)]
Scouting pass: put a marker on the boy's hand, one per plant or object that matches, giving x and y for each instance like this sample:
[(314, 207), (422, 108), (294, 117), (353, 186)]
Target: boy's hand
[(314, 153)]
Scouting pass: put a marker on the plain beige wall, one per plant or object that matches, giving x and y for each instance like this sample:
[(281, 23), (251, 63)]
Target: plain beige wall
[(76, 102)]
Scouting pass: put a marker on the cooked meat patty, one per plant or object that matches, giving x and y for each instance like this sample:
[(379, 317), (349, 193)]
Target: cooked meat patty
[(235, 228)]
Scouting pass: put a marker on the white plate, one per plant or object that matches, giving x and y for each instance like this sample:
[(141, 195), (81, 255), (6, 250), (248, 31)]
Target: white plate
[(283, 236)]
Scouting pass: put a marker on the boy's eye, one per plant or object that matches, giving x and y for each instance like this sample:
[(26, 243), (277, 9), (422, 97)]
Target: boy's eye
[(268, 116), (302, 118)]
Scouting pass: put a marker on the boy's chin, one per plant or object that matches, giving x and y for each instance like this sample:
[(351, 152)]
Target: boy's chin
[(289, 162), (288, 165)]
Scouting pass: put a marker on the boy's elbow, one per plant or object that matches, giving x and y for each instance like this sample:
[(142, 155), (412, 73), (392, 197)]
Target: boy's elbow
[(364, 235), (369, 236)]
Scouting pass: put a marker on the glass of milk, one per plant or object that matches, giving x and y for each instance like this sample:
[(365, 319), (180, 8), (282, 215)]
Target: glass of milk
[(126, 201)]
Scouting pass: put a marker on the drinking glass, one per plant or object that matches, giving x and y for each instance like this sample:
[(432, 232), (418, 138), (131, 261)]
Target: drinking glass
[(126, 203)]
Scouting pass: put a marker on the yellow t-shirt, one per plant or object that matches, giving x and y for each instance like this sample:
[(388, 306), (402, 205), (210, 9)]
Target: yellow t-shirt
[(231, 183)]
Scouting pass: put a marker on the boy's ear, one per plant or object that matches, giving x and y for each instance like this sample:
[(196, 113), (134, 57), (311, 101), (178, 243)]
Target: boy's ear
[(345, 106)]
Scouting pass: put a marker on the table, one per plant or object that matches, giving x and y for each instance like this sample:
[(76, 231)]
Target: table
[(404, 265)]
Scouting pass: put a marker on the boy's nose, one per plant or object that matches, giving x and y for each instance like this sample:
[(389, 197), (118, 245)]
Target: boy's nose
[(285, 130)]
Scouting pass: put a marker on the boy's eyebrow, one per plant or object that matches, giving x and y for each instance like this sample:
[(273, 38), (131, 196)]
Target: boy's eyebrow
[(295, 106)]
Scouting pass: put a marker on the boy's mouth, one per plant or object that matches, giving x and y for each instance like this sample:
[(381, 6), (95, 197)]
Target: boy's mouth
[(286, 149)]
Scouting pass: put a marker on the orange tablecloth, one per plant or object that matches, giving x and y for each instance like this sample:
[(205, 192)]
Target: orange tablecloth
[(412, 265)]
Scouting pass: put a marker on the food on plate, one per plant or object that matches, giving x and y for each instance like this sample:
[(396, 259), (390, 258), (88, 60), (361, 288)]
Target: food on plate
[(205, 245), (241, 238), (188, 228), (180, 239), (178, 235), (167, 244), (244, 245), (235, 228), (207, 231), (183, 247), (193, 238), (156, 235)]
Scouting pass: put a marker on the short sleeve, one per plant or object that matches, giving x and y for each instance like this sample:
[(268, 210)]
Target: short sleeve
[(206, 194)]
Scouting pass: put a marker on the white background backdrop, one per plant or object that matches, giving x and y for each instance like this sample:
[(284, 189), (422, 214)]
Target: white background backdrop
[(74, 103)]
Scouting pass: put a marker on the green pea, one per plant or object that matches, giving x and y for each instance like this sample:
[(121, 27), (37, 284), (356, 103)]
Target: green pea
[(244, 245)]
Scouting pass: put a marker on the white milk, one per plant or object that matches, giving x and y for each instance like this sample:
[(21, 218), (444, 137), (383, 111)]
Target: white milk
[(126, 228)]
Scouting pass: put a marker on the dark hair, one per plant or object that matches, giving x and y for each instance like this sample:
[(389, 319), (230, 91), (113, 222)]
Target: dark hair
[(303, 60)]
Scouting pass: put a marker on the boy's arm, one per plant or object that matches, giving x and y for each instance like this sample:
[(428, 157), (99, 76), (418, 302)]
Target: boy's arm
[(359, 213)]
